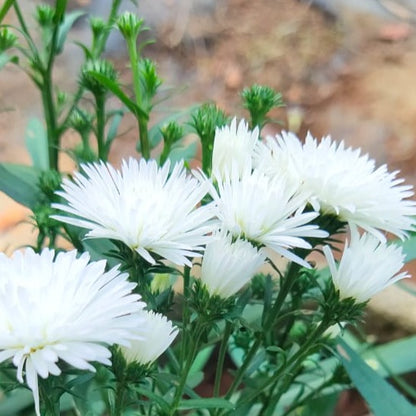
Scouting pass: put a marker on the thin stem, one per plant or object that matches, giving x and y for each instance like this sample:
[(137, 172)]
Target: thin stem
[(142, 121), (50, 118), (290, 367), (287, 284), (21, 20), (110, 21), (185, 371), (241, 371), (49, 401), (119, 399), (100, 128), (221, 358)]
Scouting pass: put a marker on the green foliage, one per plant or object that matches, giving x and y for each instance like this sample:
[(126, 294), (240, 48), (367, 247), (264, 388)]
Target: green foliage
[(383, 399)]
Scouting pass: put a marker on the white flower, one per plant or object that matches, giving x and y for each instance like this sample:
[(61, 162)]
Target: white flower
[(144, 206), (227, 266), (265, 211), (367, 266), (343, 182), (156, 335), (233, 147), (62, 309)]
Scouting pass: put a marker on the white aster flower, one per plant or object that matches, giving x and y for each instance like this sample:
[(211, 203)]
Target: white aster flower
[(367, 266), (157, 334), (144, 206), (233, 147), (227, 266), (266, 211), (343, 182), (63, 309)]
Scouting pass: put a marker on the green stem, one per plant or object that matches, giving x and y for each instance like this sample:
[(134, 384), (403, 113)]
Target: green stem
[(270, 319), (100, 128), (119, 399), (185, 372), (221, 358), (241, 371), (289, 280), (50, 118), (110, 21), (49, 401), (142, 121), (288, 372)]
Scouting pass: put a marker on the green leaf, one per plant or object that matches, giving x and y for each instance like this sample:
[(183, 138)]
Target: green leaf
[(13, 403), (183, 152), (382, 398), (65, 27), (20, 183), (164, 406), (213, 403), (6, 6), (117, 91), (113, 129), (399, 356), (36, 141), (201, 359)]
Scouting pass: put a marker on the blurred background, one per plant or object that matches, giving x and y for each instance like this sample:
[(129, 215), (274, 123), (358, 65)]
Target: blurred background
[(345, 68)]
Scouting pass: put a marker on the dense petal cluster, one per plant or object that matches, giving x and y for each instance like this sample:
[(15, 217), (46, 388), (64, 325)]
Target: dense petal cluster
[(266, 211), (146, 207), (367, 266), (341, 181), (156, 335), (62, 308), (233, 147), (227, 266)]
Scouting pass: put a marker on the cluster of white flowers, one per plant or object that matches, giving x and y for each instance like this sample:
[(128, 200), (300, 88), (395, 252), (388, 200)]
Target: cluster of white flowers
[(62, 307), (265, 197), (262, 191)]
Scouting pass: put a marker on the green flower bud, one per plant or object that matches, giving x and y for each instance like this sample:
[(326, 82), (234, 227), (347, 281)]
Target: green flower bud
[(129, 25), (171, 133), (259, 100), (49, 182), (89, 82), (206, 119), (7, 39), (44, 15), (98, 26), (150, 77), (81, 121)]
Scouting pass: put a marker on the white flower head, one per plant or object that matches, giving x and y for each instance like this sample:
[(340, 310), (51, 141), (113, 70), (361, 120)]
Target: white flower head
[(266, 211), (227, 266), (144, 206), (343, 182), (233, 147), (156, 335), (367, 266), (62, 309)]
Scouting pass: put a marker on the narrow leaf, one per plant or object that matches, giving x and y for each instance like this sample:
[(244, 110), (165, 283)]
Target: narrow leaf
[(213, 403), (383, 399), (118, 92), (36, 141), (65, 27), (19, 182), (6, 6)]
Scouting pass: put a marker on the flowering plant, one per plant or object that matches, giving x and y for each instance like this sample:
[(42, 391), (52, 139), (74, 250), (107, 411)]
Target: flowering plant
[(173, 270)]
